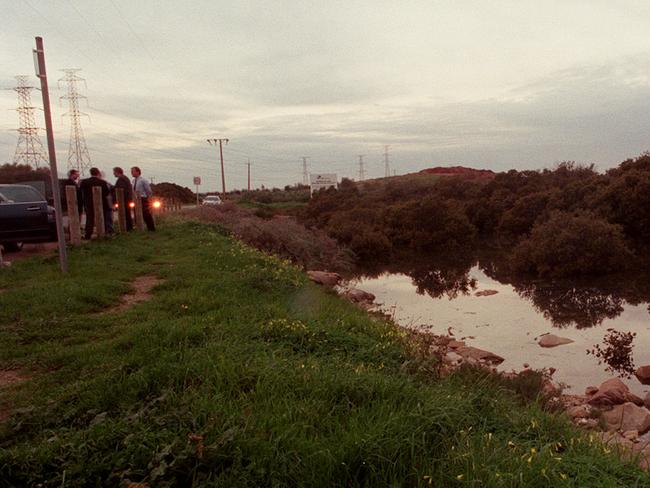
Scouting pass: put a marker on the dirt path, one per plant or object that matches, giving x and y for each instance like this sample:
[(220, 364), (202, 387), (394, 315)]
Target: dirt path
[(31, 250), (141, 287)]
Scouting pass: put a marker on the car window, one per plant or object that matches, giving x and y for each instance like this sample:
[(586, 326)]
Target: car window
[(18, 194)]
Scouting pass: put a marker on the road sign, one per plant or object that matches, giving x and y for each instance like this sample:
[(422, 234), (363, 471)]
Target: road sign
[(197, 182), (320, 181)]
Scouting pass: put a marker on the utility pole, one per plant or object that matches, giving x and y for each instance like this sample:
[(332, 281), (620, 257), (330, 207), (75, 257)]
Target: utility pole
[(39, 64), (249, 174), (362, 171), (223, 174), (78, 155), (386, 164), (29, 149), (305, 173)]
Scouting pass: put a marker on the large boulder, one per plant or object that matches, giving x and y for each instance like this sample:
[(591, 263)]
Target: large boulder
[(358, 296), (643, 374), (610, 392), (628, 417), (579, 411), (551, 340), (324, 277), (475, 354), (646, 400), (631, 397), (485, 293)]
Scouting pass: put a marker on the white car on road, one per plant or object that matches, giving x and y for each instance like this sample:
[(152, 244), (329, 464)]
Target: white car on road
[(212, 200)]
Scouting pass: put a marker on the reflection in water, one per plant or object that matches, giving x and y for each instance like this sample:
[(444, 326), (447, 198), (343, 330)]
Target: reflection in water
[(616, 352), (578, 303), (564, 307), (443, 281), (436, 278), (564, 303)]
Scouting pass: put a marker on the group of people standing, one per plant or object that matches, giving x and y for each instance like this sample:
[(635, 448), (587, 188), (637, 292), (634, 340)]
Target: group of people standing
[(140, 187)]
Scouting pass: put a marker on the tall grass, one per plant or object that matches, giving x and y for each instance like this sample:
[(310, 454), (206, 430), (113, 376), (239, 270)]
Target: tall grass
[(280, 235), (239, 372)]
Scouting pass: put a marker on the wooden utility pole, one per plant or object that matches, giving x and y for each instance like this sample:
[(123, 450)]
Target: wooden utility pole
[(223, 175), (121, 209), (139, 218), (249, 174), (73, 215), (98, 208), (41, 73)]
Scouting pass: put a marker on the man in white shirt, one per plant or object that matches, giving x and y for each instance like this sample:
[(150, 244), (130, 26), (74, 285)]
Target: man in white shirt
[(142, 188)]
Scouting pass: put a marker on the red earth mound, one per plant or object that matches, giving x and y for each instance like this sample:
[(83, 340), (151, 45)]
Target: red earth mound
[(460, 171)]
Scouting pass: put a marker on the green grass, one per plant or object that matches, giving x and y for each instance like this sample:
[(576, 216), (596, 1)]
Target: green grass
[(241, 373)]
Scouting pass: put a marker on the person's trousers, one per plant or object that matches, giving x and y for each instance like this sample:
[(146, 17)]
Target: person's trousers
[(90, 222), (108, 221), (146, 214), (128, 218)]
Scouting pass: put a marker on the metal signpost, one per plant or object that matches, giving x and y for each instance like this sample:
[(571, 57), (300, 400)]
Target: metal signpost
[(39, 65), (197, 182)]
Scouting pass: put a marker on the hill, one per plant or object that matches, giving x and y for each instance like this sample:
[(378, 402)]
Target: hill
[(459, 171)]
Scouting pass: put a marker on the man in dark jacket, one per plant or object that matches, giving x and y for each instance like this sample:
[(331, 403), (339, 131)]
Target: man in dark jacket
[(87, 186), (73, 180), (124, 183)]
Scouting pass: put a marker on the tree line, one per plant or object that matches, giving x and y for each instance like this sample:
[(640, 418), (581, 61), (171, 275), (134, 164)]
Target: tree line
[(567, 221)]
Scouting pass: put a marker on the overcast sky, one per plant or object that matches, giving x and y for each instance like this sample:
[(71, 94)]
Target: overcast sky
[(488, 84)]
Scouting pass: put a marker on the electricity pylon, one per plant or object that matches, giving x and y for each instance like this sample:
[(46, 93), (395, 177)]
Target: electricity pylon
[(78, 155), (29, 149), (305, 172)]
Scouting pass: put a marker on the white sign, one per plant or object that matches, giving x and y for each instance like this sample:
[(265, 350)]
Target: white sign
[(37, 68), (318, 182), (197, 180)]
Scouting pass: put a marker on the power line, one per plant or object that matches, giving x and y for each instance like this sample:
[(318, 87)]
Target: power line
[(87, 22), (133, 32), (58, 31)]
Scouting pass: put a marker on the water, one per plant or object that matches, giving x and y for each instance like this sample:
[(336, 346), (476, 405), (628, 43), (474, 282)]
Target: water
[(441, 298)]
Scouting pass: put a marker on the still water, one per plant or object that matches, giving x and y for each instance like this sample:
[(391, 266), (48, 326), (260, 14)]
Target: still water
[(443, 298)]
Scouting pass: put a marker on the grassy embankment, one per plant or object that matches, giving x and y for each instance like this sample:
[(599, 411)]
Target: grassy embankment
[(240, 373)]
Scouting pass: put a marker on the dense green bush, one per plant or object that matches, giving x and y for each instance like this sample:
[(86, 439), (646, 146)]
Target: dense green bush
[(425, 214), (430, 225), (572, 244), (174, 192)]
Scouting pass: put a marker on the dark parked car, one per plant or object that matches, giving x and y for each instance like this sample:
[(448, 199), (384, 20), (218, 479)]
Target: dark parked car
[(25, 216)]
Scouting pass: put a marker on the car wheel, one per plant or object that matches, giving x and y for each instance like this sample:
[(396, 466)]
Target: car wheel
[(12, 246)]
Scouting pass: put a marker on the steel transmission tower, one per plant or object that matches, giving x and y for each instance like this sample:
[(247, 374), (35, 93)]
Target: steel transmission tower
[(29, 149), (362, 171), (305, 172), (78, 156), (386, 163)]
